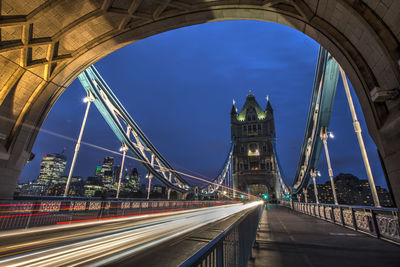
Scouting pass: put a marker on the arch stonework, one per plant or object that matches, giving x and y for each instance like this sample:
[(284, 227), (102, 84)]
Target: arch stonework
[(44, 45)]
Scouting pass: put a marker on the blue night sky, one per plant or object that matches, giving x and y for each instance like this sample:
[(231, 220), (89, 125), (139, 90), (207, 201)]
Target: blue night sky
[(179, 86)]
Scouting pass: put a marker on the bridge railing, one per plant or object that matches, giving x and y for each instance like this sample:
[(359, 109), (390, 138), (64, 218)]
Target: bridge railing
[(31, 213), (233, 246), (382, 223)]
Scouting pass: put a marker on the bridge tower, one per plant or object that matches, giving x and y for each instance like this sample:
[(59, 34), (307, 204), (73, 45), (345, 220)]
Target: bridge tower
[(253, 156)]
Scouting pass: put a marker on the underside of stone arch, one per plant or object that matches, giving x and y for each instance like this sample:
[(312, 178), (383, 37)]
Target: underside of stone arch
[(44, 45)]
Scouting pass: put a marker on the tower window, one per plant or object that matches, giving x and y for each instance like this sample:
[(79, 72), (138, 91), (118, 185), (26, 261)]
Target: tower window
[(268, 165), (262, 166), (254, 165)]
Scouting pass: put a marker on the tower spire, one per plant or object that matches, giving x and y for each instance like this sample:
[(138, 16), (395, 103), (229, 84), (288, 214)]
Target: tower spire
[(234, 110), (269, 107)]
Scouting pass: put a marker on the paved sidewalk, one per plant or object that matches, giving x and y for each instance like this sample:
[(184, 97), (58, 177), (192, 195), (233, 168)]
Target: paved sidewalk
[(289, 238)]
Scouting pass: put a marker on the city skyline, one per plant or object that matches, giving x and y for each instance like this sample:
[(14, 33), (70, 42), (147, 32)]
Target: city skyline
[(207, 137)]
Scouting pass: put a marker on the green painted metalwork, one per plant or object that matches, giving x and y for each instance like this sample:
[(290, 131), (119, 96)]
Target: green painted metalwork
[(119, 120), (324, 89)]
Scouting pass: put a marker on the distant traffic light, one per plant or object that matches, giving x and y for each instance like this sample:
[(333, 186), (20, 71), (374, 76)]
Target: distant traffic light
[(265, 196), (242, 196), (287, 196)]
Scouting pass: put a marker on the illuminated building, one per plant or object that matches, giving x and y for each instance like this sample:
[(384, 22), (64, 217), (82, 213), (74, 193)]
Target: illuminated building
[(32, 189), (51, 168), (105, 171), (350, 191), (253, 157), (132, 180), (93, 187), (116, 171), (93, 190)]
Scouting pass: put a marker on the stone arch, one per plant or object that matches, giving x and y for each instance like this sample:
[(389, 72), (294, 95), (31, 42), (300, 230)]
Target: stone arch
[(46, 44)]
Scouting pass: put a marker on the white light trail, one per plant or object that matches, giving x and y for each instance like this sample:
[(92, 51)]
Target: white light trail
[(111, 247)]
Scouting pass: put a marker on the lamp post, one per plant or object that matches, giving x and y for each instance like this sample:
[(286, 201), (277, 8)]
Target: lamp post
[(313, 176), (124, 149), (305, 195), (88, 99), (324, 138), (169, 189), (357, 130), (149, 176)]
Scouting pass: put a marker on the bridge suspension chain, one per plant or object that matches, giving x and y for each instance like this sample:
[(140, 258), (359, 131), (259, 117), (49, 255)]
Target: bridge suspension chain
[(128, 132), (133, 139), (224, 179), (324, 89)]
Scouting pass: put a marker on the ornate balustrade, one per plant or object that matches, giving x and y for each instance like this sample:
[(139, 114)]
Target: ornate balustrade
[(382, 223)]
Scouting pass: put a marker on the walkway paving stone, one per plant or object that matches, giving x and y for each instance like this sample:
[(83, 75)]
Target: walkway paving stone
[(288, 238)]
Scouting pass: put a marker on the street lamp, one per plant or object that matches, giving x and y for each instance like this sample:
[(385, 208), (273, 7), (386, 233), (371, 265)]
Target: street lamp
[(88, 99), (314, 173), (149, 176), (324, 138), (124, 148)]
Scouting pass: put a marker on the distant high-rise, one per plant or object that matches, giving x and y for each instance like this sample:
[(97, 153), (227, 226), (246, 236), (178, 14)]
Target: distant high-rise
[(105, 171), (52, 168), (116, 171), (132, 180)]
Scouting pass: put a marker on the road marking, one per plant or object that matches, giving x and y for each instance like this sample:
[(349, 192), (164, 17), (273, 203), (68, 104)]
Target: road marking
[(344, 234), (284, 227)]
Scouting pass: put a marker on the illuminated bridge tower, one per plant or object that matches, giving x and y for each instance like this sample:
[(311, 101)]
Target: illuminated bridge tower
[(253, 157)]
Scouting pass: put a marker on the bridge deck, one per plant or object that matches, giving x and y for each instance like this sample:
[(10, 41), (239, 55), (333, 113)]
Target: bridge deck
[(289, 238)]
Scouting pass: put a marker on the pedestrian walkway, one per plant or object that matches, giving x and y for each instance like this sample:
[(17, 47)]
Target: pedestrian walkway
[(288, 238)]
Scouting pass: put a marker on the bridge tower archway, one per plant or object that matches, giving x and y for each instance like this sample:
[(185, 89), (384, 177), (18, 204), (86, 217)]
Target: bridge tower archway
[(45, 45)]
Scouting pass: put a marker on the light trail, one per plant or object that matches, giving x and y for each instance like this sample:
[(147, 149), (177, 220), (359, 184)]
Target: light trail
[(108, 246)]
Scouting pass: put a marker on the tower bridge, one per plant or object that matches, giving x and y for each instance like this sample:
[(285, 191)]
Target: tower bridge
[(253, 130), (133, 232), (45, 45)]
